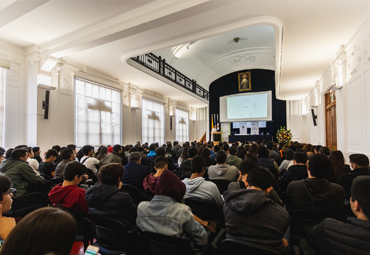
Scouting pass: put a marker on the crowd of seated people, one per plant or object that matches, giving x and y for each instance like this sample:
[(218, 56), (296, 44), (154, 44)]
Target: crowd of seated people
[(267, 184)]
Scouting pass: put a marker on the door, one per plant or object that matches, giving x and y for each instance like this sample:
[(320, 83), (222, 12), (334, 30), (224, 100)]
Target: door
[(331, 120)]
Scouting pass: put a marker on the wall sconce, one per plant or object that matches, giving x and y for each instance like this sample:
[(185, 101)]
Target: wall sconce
[(135, 104)]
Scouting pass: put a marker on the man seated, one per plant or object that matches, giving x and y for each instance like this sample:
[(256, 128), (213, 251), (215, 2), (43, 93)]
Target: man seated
[(47, 167), (68, 156), (112, 157), (105, 199), (161, 152), (250, 215), (264, 160), (222, 171), (88, 160), (360, 166), (232, 159), (185, 167), (315, 192), (198, 187), (67, 194), (36, 154), (19, 172), (335, 237), (165, 215), (149, 183), (296, 172), (135, 172)]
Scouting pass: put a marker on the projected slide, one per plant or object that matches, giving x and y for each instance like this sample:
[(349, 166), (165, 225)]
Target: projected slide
[(248, 106)]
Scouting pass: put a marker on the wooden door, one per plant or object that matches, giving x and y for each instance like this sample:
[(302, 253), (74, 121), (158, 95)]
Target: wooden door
[(331, 121)]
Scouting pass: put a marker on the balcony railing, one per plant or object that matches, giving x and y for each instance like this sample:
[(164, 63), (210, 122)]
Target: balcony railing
[(159, 65)]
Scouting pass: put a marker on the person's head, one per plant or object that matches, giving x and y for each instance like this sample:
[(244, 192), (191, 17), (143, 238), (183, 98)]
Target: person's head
[(289, 154), (317, 149), (160, 163), (117, 148), (30, 152), (360, 197), (111, 174), (184, 154), (74, 171), (251, 156), (87, 150), (206, 153), (192, 152), (262, 151), (135, 157), (160, 152), (269, 145), (152, 147), (51, 155), (1, 156), (37, 235), (253, 149), (221, 157), (67, 154), (20, 154), (8, 153), (216, 148), (325, 151), (358, 161), (168, 146), (246, 166), (175, 143), (319, 166), (308, 147), (232, 150), (170, 185), (225, 147), (36, 150), (198, 165), (260, 178), (5, 194), (300, 158), (57, 148)]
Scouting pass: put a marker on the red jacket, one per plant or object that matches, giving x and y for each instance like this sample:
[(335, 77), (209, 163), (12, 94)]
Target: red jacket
[(69, 196)]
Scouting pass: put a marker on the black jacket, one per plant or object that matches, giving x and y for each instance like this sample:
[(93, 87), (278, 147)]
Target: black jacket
[(268, 163), (135, 174), (346, 180), (294, 173), (109, 202)]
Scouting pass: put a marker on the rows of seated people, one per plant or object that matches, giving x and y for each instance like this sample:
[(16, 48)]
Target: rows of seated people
[(262, 191)]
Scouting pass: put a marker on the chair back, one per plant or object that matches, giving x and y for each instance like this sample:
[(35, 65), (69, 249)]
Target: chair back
[(27, 203), (222, 185), (134, 193), (157, 244), (205, 210), (231, 246)]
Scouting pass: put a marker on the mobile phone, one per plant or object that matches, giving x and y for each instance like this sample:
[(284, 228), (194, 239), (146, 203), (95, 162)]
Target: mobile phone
[(92, 250)]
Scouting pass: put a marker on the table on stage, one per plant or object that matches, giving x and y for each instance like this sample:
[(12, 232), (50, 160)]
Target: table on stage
[(251, 138)]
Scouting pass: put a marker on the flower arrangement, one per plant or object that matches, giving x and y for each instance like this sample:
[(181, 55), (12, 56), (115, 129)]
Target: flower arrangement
[(284, 135)]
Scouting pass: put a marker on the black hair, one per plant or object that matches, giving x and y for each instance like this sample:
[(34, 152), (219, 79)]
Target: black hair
[(134, 156), (216, 148), (251, 156), (232, 150), (19, 153), (261, 178), (175, 143), (198, 164), (152, 147), (192, 152), (225, 147), (35, 149), (72, 169), (66, 153), (221, 157), (160, 162), (50, 153), (86, 149), (289, 154), (319, 166), (325, 151), (9, 153), (20, 146), (318, 147), (109, 173), (5, 184), (360, 192), (359, 159), (241, 152), (269, 145), (300, 158), (206, 153), (117, 148), (262, 151), (247, 165), (71, 146), (57, 148)]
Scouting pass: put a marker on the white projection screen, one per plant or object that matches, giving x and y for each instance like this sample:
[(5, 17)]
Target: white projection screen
[(246, 107)]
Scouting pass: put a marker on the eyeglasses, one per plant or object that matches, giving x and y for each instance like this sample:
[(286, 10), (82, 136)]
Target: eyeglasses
[(11, 190)]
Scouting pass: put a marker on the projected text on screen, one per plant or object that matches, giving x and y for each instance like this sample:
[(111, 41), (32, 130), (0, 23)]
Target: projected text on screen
[(248, 106)]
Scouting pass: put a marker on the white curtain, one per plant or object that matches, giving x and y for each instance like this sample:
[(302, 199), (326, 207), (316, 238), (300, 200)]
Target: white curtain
[(97, 114), (182, 125), (152, 121)]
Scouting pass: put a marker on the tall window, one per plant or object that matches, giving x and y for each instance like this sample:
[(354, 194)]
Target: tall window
[(182, 126), (97, 114), (153, 121), (2, 99)]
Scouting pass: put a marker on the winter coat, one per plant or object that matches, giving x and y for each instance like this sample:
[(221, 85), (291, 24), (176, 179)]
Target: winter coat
[(69, 196)]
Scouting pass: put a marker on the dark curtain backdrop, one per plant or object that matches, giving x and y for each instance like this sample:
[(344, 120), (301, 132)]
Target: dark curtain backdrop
[(261, 80)]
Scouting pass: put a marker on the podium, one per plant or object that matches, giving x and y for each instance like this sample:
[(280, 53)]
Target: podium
[(216, 137)]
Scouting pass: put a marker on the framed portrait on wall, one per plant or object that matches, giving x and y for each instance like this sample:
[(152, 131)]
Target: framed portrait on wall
[(244, 81)]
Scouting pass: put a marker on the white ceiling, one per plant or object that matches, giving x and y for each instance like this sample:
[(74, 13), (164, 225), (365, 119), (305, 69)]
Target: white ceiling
[(103, 34)]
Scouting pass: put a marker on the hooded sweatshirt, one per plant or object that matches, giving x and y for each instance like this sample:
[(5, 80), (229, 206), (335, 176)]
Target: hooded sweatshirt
[(108, 201), (295, 173), (233, 160), (69, 196), (314, 193), (223, 172), (253, 217), (202, 189)]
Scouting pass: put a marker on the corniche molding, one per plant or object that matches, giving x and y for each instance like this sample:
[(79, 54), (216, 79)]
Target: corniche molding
[(354, 60)]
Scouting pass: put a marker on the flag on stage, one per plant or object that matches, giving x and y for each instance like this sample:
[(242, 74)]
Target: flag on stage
[(212, 121)]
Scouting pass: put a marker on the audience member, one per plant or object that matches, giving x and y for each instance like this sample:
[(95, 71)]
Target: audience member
[(149, 183), (47, 167), (325, 151), (59, 158), (250, 215), (206, 154), (90, 162), (308, 148), (296, 172), (315, 192), (241, 152), (36, 154), (112, 157), (216, 149), (161, 152), (67, 194), (225, 147), (197, 187), (105, 199), (33, 163), (338, 166), (45, 231), (185, 168), (222, 171), (19, 172), (245, 167), (6, 223), (273, 154), (68, 156), (184, 156), (253, 149), (232, 159), (317, 149), (102, 151), (176, 147), (170, 153), (135, 172), (165, 215), (265, 161)]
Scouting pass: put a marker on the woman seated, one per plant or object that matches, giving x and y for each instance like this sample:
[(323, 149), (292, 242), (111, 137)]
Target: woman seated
[(106, 200), (6, 223)]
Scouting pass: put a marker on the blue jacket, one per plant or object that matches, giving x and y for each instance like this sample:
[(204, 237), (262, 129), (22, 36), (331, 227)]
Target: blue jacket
[(135, 174), (163, 215)]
